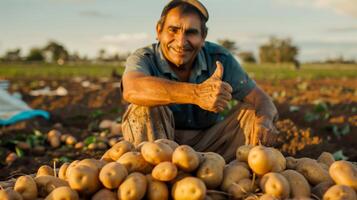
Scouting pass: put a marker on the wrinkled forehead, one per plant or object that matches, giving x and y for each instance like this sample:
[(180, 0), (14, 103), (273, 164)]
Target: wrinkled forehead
[(177, 18)]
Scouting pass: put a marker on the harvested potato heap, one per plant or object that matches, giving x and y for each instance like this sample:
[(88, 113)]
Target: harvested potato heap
[(164, 170)]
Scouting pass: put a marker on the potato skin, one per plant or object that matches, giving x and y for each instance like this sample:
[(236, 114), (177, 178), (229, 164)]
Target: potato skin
[(344, 173), (120, 148), (242, 188), (46, 184), (312, 171), (26, 186), (164, 171), (260, 160), (233, 174), (299, 186), (326, 158), (104, 194), (279, 163), (171, 143), (135, 162), (243, 152), (156, 190), (211, 170), (84, 179), (112, 174), (275, 184), (340, 192), (186, 158), (63, 193), (45, 170), (189, 188), (133, 187), (155, 153), (62, 171), (320, 189), (10, 194)]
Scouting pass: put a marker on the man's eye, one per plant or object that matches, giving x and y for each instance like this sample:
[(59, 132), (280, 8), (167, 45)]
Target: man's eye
[(172, 30)]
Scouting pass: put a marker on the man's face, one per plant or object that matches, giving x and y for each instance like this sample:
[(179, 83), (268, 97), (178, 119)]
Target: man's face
[(180, 37)]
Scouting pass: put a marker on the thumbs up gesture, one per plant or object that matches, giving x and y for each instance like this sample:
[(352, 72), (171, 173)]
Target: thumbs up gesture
[(214, 94)]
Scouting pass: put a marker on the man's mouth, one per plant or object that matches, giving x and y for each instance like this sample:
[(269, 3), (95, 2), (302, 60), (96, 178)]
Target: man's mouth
[(179, 51)]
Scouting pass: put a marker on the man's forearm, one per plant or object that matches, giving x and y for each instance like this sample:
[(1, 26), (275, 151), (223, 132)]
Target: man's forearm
[(262, 103), (154, 91)]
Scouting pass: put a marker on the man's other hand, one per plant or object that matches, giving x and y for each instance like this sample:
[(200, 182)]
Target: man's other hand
[(214, 94), (265, 132)]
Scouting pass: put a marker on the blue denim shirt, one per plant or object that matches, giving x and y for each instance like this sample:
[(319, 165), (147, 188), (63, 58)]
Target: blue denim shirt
[(150, 60)]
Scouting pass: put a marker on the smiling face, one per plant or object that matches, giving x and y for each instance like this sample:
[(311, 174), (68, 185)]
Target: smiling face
[(180, 37)]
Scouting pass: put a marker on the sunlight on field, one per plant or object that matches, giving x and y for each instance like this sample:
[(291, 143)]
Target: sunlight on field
[(256, 71)]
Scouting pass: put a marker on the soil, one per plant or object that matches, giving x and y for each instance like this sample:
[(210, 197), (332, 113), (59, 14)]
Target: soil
[(315, 116)]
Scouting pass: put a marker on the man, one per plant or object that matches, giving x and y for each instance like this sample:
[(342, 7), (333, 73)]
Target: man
[(178, 87)]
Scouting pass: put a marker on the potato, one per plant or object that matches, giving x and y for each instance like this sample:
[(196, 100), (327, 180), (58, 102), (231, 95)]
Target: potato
[(133, 187), (189, 188), (155, 153), (45, 170), (211, 169), (260, 160), (326, 158), (104, 194), (26, 186), (165, 171), (84, 179), (156, 190), (340, 192), (186, 158), (299, 187), (275, 184), (70, 140), (134, 162), (171, 143), (320, 189), (106, 157), (62, 171), (54, 138), (214, 157), (10, 194), (120, 149), (112, 174), (242, 188), (235, 162), (46, 184), (312, 171), (96, 164), (279, 163), (267, 197), (242, 152), (344, 173), (233, 174), (71, 166), (63, 193), (291, 162)]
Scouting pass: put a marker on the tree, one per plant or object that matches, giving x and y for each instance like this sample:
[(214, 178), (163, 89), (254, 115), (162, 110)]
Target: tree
[(12, 55), (230, 45), (35, 55), (277, 51), (55, 52), (247, 57)]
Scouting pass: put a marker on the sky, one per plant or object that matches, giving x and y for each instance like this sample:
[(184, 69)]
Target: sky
[(320, 28)]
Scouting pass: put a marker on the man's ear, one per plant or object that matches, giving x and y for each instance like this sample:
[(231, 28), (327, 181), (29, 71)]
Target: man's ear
[(158, 30)]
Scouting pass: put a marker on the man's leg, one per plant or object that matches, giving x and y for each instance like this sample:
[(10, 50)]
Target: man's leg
[(141, 123), (226, 136)]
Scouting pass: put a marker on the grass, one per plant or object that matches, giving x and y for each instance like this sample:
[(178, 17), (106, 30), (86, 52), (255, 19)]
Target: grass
[(256, 71)]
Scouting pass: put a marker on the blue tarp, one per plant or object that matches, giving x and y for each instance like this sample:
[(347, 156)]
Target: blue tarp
[(13, 109)]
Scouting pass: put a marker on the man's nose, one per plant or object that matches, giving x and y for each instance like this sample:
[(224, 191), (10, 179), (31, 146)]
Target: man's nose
[(181, 39)]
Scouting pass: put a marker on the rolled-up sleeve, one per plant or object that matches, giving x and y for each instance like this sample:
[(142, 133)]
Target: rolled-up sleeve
[(139, 62)]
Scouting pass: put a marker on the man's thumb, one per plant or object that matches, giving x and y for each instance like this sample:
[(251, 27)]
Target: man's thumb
[(219, 70)]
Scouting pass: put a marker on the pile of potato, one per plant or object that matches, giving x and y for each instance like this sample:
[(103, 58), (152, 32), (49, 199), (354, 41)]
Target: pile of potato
[(165, 170)]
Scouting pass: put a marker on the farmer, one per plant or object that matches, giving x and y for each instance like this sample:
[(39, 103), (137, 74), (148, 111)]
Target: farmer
[(179, 86)]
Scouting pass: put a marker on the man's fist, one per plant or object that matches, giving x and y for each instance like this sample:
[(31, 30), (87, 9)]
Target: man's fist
[(265, 132), (214, 94)]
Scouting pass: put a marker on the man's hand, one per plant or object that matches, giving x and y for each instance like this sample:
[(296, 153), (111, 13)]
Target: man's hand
[(265, 132), (214, 94)]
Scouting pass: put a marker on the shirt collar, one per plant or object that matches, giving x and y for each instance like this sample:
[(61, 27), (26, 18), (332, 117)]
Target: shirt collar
[(199, 65)]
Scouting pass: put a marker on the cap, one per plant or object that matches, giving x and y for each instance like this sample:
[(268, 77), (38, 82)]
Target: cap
[(195, 3)]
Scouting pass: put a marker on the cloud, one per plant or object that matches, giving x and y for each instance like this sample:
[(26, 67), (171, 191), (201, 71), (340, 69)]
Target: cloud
[(93, 13), (124, 42), (344, 7)]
